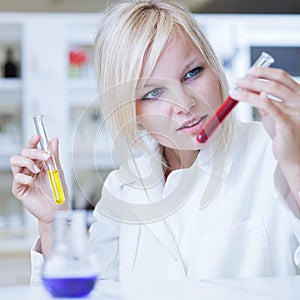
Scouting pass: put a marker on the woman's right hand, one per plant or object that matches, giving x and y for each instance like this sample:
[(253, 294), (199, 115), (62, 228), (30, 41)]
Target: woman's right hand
[(31, 184)]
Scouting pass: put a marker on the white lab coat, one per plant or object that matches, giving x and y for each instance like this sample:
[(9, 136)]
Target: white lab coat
[(238, 223)]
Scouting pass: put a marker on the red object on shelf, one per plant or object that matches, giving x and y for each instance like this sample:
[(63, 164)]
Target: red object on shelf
[(77, 57)]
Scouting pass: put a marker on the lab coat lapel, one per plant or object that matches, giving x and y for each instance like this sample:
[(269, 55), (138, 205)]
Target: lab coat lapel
[(165, 199), (180, 188), (162, 232)]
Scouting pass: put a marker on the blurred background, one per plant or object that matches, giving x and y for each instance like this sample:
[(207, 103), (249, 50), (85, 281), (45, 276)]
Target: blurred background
[(197, 6), (46, 66)]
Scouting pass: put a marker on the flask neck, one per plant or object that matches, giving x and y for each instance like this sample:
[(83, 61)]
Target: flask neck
[(70, 232)]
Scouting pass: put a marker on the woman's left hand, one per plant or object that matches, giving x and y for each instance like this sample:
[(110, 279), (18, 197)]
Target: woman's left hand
[(280, 117)]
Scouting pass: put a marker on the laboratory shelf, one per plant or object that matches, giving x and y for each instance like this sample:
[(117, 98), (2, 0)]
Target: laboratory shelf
[(10, 84), (82, 92), (10, 94)]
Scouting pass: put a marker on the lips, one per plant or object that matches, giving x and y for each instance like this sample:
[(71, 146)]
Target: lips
[(191, 123)]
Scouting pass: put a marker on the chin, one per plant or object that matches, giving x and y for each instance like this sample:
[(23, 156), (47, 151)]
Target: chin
[(186, 146)]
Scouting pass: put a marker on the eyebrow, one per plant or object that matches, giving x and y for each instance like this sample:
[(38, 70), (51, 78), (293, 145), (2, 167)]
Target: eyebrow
[(184, 70), (188, 66)]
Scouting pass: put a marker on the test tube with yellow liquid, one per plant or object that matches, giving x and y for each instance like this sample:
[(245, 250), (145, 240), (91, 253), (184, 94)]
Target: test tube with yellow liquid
[(55, 183)]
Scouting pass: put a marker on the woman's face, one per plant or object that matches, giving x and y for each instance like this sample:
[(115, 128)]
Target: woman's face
[(179, 97)]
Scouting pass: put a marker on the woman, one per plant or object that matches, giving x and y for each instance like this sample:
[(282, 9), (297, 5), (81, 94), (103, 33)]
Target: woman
[(177, 209)]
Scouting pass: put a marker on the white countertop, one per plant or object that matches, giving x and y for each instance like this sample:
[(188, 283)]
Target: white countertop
[(285, 288)]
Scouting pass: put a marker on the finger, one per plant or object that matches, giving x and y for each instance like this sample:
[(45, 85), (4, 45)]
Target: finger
[(281, 110), (54, 146), (33, 141), (20, 185), (18, 190), (18, 163), (35, 154), (251, 97), (262, 101), (30, 152), (22, 179), (280, 114), (270, 108), (272, 88), (274, 74)]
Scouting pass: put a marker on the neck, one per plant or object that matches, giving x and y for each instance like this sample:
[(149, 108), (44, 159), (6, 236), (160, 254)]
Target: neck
[(179, 159)]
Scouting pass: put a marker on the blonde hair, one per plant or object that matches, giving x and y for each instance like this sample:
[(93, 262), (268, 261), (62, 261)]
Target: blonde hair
[(131, 37)]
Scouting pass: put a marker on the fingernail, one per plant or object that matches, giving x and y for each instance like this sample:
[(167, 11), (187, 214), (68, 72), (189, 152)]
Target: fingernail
[(36, 169), (46, 155)]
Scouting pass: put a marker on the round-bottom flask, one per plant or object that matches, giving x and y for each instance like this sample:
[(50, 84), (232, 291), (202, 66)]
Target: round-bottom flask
[(69, 270)]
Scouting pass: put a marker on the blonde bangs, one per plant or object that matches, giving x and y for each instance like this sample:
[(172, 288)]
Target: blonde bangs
[(142, 35)]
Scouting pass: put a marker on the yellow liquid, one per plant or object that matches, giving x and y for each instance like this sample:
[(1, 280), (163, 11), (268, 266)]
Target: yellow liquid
[(56, 187)]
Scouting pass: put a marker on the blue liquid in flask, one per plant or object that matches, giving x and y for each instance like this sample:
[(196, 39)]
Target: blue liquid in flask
[(70, 287)]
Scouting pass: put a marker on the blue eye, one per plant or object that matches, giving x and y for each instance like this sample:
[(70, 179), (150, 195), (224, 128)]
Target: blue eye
[(193, 73), (154, 94)]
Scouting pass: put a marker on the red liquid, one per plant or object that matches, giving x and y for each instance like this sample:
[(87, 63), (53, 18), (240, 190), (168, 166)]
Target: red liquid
[(216, 119), (70, 287)]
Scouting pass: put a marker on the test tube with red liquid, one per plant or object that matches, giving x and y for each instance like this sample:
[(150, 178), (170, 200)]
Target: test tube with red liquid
[(264, 60)]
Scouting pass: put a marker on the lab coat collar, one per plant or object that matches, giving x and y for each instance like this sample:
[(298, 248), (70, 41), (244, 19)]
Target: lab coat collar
[(215, 159)]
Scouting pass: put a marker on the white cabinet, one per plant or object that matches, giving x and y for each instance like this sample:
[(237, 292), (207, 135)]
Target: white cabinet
[(11, 212), (64, 93), (10, 92)]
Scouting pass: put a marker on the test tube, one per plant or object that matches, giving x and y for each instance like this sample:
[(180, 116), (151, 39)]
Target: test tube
[(264, 60), (50, 164)]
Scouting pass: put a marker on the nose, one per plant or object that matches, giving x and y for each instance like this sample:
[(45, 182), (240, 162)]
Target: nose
[(184, 99)]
